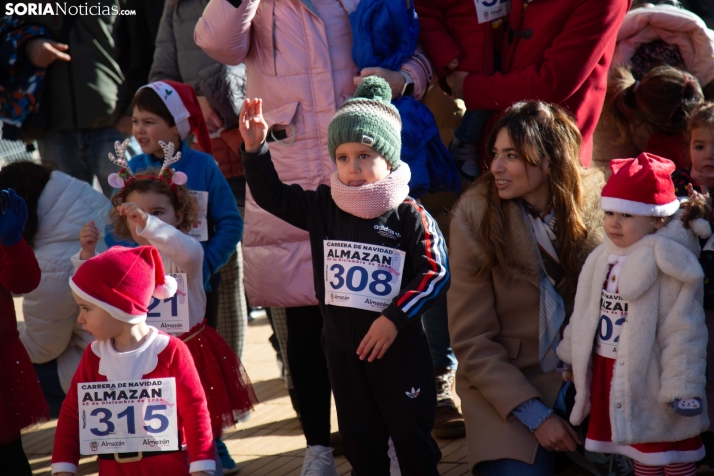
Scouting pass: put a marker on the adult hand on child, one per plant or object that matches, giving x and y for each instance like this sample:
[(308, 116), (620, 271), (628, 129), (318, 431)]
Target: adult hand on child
[(252, 125), (134, 213), (556, 434), (395, 79), (380, 336), (455, 81), (13, 215), (88, 238), (453, 64)]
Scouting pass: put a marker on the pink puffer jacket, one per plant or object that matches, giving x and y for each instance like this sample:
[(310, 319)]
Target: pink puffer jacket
[(302, 82)]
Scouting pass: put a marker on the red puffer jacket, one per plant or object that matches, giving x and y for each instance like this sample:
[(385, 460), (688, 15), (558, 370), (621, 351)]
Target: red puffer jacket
[(449, 29), (559, 51)]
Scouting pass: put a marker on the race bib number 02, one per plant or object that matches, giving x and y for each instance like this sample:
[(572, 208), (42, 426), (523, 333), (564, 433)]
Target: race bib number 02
[(200, 228), (171, 315), (361, 276), (489, 10), (128, 416), (613, 314)]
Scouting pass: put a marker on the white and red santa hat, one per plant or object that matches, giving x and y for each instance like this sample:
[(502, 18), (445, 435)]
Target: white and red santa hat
[(180, 99), (122, 281), (641, 186)]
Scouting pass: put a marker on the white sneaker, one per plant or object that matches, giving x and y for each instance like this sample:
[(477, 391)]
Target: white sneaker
[(394, 469), (318, 462)]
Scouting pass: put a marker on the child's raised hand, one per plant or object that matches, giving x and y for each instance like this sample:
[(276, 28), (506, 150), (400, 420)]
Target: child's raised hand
[(252, 125), (133, 212), (694, 195), (88, 237), (380, 336)]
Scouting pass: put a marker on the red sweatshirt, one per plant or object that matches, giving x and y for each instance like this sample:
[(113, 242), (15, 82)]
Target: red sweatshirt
[(561, 57), (173, 360), (448, 30)]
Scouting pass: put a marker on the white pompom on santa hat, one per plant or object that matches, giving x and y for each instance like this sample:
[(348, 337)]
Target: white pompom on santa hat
[(123, 280), (641, 186)]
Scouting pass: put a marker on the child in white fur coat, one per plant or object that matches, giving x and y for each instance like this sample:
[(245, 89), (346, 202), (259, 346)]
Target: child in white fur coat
[(636, 341)]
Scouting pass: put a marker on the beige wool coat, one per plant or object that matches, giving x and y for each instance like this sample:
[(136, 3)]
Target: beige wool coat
[(493, 323)]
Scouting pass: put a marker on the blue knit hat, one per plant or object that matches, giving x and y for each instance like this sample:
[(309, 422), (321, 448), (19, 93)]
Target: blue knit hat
[(368, 118)]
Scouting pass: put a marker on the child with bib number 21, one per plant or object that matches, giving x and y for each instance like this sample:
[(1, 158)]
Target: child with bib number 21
[(113, 290), (379, 261)]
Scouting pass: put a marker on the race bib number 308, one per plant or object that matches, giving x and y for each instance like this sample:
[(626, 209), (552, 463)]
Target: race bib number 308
[(360, 275), (127, 416)]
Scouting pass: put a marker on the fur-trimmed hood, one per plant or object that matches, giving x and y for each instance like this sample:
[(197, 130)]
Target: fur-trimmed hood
[(662, 346), (522, 262)]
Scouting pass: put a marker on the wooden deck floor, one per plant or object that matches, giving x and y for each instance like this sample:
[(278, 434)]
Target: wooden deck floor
[(270, 443)]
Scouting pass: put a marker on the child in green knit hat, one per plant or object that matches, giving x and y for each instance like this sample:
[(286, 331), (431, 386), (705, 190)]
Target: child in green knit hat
[(379, 262)]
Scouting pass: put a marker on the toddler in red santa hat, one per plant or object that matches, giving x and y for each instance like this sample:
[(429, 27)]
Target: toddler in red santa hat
[(136, 399), (635, 346)]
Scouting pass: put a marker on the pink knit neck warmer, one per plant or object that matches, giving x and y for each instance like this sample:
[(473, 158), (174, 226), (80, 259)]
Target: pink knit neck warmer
[(706, 179), (373, 199)]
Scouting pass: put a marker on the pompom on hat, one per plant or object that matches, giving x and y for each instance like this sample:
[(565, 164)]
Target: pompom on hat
[(181, 101), (123, 280), (641, 186), (368, 118)]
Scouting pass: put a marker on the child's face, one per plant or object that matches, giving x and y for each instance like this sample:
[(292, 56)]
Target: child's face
[(625, 230), (701, 149), (149, 129), (359, 164), (156, 204), (98, 322), (514, 177)]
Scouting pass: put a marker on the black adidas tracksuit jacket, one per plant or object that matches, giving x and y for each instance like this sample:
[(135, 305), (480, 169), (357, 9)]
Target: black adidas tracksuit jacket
[(376, 398)]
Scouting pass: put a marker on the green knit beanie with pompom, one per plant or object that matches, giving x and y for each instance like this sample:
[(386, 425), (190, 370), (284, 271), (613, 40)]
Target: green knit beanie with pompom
[(368, 118)]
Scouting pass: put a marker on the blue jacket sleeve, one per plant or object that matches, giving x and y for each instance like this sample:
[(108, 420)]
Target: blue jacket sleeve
[(225, 220)]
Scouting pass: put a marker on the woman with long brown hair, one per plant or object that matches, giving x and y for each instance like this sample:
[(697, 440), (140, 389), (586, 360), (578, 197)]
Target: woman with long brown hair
[(519, 237)]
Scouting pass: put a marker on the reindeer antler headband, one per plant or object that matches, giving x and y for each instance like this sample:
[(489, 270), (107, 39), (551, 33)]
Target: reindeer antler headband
[(167, 174)]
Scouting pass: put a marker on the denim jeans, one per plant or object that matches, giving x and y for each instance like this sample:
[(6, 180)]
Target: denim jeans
[(436, 326), (471, 127), (544, 465), (84, 153)]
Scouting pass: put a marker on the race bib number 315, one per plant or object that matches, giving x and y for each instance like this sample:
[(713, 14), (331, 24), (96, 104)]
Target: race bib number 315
[(128, 416), (360, 275)]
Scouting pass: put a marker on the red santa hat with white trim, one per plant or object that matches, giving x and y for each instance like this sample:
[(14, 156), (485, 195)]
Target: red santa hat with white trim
[(181, 101), (641, 186), (122, 281)]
